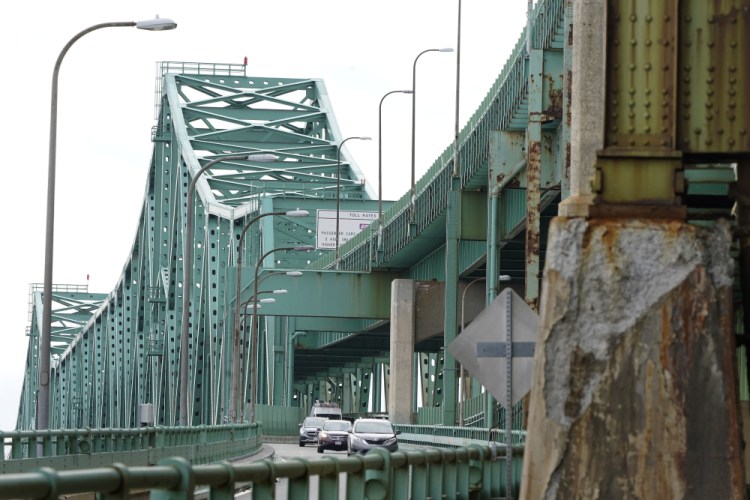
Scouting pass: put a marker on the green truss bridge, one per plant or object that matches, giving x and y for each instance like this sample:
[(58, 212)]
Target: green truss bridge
[(236, 309)]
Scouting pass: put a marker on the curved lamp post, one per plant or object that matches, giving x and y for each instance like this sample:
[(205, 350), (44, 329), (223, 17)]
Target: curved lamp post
[(413, 124), (338, 189), (380, 162), (187, 264), (236, 337), (254, 326), (42, 402)]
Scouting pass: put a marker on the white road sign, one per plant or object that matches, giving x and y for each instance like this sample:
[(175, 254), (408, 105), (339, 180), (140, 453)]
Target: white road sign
[(351, 222), (482, 347)]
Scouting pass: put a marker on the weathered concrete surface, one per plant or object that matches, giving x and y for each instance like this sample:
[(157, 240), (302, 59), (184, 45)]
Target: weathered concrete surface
[(587, 102), (634, 393), (400, 400)]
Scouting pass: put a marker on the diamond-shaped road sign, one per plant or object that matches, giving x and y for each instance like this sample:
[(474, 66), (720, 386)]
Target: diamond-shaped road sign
[(482, 347)]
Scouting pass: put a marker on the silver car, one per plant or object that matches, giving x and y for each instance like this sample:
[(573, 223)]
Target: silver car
[(308, 430), (368, 433)]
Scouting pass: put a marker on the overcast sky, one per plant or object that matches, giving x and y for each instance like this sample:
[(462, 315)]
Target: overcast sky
[(361, 49)]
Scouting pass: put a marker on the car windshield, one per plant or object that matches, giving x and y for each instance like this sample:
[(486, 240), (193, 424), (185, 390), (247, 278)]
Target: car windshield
[(337, 425), (381, 427), (313, 422)]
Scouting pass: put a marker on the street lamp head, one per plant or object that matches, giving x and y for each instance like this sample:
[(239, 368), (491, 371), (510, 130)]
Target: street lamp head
[(303, 248), (297, 213), (447, 49), (504, 277), (262, 157), (267, 300), (294, 274), (280, 291), (156, 24)]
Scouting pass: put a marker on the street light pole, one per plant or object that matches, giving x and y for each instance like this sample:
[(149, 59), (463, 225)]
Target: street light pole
[(236, 338), (254, 326), (338, 189), (187, 265), (380, 162), (42, 402), (413, 124)]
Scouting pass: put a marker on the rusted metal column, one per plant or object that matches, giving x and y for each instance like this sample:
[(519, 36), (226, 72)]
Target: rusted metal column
[(533, 177), (635, 392)]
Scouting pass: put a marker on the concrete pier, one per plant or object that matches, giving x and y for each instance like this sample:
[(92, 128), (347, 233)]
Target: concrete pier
[(634, 392)]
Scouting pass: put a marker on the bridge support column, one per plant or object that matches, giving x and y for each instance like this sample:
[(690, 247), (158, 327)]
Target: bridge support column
[(403, 314), (634, 392)]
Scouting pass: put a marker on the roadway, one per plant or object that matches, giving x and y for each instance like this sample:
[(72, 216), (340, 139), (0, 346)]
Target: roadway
[(283, 451)]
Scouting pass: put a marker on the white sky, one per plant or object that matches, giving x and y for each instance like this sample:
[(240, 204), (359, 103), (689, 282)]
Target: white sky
[(361, 49)]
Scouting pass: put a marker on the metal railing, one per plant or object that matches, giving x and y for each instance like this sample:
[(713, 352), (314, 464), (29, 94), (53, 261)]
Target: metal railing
[(433, 473), (66, 449)]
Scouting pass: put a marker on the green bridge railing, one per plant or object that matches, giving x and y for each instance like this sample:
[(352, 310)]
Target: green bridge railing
[(472, 471), (66, 449)]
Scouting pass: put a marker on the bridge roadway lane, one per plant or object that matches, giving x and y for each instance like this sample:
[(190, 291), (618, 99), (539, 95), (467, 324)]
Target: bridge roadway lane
[(309, 452)]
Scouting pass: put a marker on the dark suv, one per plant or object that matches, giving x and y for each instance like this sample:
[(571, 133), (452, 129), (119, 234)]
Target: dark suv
[(333, 435), (368, 433), (308, 430)]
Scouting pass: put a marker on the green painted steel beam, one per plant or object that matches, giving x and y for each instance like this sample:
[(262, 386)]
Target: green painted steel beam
[(330, 294)]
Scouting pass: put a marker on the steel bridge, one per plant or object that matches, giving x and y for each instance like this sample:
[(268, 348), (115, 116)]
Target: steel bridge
[(479, 215)]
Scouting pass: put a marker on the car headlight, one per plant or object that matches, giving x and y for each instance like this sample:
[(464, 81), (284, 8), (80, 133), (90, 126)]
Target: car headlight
[(323, 435), (390, 441)]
